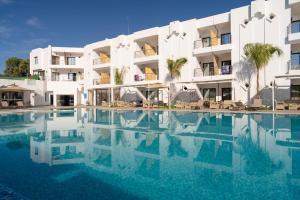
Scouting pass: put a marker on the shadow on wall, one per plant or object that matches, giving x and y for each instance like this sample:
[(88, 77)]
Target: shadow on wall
[(280, 95), (245, 71)]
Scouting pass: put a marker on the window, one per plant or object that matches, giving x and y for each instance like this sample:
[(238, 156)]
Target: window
[(36, 151), (36, 60), (226, 94), (209, 94), (226, 38), (295, 92), (71, 61), (54, 76), (55, 60), (226, 67), (55, 151), (295, 27), (206, 42), (72, 76), (295, 61), (208, 69)]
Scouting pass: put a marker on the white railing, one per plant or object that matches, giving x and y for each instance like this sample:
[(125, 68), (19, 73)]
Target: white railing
[(292, 66), (98, 61), (225, 70), (144, 53), (202, 43)]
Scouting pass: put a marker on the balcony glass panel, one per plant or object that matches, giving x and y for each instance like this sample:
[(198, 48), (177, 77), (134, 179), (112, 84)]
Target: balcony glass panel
[(295, 27), (295, 61)]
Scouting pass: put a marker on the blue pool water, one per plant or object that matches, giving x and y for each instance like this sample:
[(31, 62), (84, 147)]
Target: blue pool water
[(101, 154)]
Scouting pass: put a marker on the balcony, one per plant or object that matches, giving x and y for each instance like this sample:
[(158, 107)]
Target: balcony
[(103, 80), (293, 68), (205, 46), (212, 74), (101, 63), (147, 55), (292, 2), (69, 63), (294, 32)]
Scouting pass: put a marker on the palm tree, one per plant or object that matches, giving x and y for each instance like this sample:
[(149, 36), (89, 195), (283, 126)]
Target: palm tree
[(259, 55), (174, 66), (119, 76)]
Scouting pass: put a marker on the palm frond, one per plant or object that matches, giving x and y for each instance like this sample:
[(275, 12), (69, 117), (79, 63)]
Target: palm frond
[(174, 67)]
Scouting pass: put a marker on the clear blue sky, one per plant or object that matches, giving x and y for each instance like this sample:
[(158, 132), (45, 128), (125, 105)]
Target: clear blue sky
[(27, 24)]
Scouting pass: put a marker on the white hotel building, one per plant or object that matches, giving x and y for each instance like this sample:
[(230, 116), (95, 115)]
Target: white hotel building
[(216, 69)]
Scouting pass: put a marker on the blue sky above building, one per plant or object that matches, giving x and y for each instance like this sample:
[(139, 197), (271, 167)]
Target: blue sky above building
[(28, 24)]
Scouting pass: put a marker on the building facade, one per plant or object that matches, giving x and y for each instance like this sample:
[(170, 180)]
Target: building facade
[(217, 68)]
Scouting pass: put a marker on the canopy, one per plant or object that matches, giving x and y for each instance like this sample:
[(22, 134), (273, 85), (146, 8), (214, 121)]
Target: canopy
[(153, 86), (13, 88)]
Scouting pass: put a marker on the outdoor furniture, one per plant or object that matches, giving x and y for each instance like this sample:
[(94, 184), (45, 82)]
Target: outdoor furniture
[(214, 105), (227, 104), (4, 104), (280, 105), (20, 104), (237, 106), (146, 104), (257, 103), (179, 105), (187, 105), (293, 104), (197, 105), (104, 104)]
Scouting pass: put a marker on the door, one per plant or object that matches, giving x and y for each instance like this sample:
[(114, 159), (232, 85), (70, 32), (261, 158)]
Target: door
[(51, 99)]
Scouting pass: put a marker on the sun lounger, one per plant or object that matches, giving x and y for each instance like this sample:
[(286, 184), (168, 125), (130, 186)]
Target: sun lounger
[(227, 104), (146, 104), (197, 105), (4, 104), (294, 106), (20, 104), (237, 106), (257, 103), (280, 105), (104, 104), (214, 105), (187, 105), (179, 105)]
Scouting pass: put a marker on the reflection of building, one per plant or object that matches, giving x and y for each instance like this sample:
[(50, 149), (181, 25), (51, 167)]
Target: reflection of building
[(206, 152), (61, 141)]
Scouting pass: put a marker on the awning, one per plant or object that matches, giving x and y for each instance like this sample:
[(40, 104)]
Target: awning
[(208, 81), (289, 76), (14, 88), (153, 86)]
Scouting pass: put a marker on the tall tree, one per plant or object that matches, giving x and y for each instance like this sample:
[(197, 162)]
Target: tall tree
[(16, 67), (174, 67), (259, 55)]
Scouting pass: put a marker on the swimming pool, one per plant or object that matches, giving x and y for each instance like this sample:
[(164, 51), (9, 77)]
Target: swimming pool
[(107, 154)]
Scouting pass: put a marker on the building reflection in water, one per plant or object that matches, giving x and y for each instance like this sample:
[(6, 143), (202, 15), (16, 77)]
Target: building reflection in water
[(202, 149)]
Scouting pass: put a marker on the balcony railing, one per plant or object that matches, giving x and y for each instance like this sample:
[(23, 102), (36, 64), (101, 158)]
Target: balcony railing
[(293, 66), (55, 62), (145, 53), (294, 27), (207, 42), (225, 70), (101, 81), (145, 77), (99, 61)]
